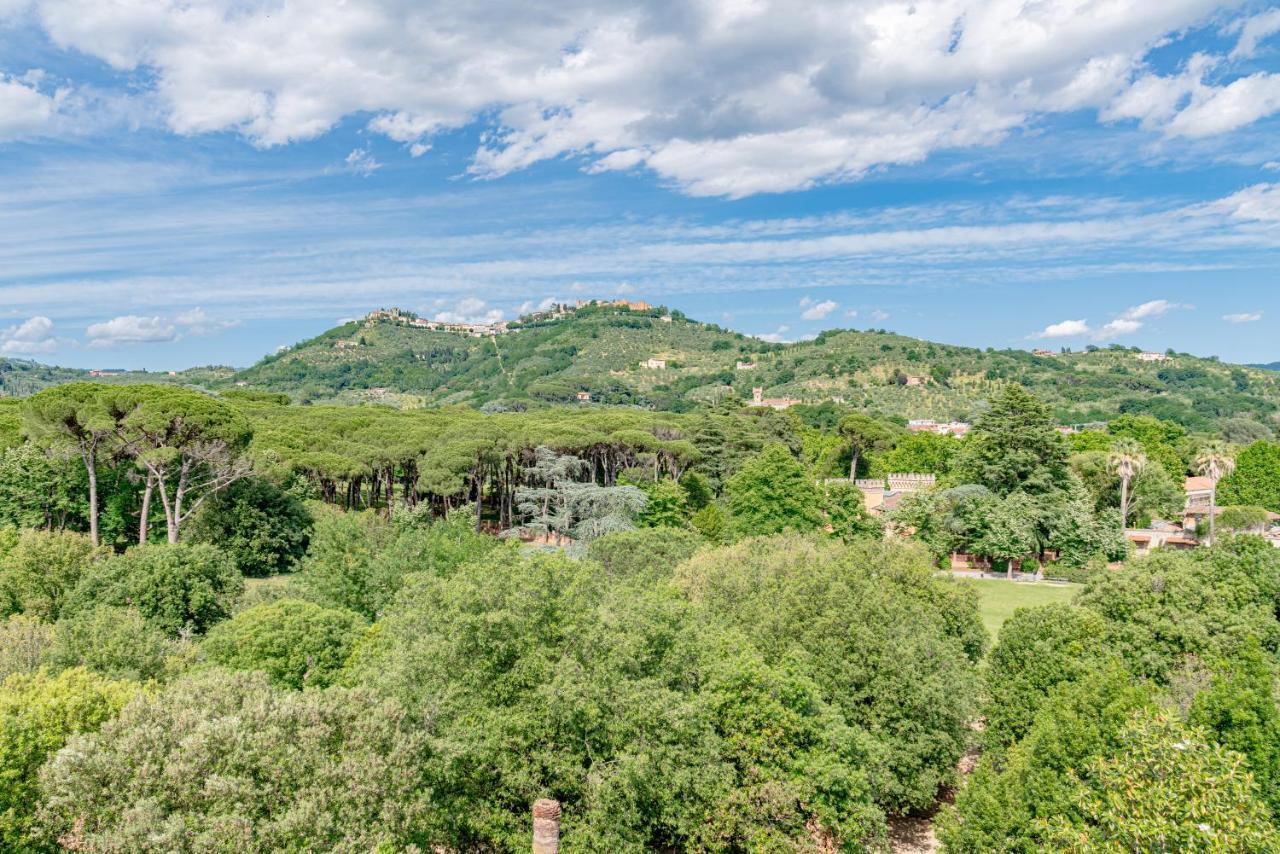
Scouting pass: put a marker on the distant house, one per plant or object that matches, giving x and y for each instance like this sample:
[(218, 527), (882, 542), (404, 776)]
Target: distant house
[(1152, 357), (106, 372), (346, 344), (666, 318), (916, 379), (911, 482), (744, 366), (1042, 352), (951, 428), (1199, 491), (654, 364), (758, 399), (1160, 534), (584, 397)]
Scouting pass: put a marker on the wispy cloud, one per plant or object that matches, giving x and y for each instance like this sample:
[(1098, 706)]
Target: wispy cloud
[(1243, 317)]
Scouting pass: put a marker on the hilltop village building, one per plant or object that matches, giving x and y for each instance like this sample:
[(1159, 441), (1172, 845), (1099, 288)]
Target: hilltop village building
[(1152, 357), (758, 399), (951, 428)]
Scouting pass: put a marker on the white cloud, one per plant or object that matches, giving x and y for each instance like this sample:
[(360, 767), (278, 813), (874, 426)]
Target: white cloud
[(362, 162), (1064, 329), (879, 315), (130, 329), (722, 98), (816, 310), (1243, 317), (1253, 31), (24, 109), (469, 310), (778, 336), (34, 335), (1127, 322)]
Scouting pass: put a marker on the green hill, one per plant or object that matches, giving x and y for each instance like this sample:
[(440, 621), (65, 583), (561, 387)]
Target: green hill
[(601, 350)]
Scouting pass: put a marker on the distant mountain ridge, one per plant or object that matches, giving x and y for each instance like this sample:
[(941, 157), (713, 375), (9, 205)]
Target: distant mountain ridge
[(635, 354), (1270, 366)]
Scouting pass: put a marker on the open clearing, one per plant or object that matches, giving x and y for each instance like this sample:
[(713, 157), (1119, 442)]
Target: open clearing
[(997, 598)]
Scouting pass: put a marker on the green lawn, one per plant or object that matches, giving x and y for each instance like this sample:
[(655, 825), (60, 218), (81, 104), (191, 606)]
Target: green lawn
[(997, 599)]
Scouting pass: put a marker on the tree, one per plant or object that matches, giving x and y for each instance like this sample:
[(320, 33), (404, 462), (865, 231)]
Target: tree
[(645, 555), (1038, 649), (1010, 534), (1238, 519), (1014, 447), (264, 528), (114, 641), (297, 644), (1214, 461), (23, 641), (42, 569), (38, 713), (711, 523), (188, 443), (923, 452), (1166, 789), (666, 508), (1256, 478), (175, 587), (863, 433), (772, 493), (74, 416), (1126, 460), (223, 761), (846, 512)]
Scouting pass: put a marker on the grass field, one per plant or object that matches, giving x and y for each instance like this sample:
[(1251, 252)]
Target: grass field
[(997, 599)]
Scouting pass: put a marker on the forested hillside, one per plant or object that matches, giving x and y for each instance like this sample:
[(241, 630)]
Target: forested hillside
[(600, 350)]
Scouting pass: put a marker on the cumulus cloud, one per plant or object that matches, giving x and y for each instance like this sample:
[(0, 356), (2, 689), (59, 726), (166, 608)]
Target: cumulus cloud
[(130, 329), (30, 337), (1243, 317), (1127, 322), (879, 315), (24, 109), (778, 336), (197, 321), (722, 98), (816, 310), (1064, 329), (1253, 31)]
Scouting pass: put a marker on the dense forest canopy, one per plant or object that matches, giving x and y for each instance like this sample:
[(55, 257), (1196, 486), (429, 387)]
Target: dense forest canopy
[(231, 621)]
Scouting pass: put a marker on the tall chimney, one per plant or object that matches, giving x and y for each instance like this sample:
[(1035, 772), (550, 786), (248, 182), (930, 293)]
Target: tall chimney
[(546, 827)]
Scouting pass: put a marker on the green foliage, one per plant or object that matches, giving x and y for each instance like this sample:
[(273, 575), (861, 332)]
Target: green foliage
[(1159, 440), (297, 644), (23, 642), (116, 642), (1208, 602), (1243, 519), (772, 493), (263, 528), (667, 506), (38, 713), (1166, 789), (175, 587), (846, 512), (40, 571), (1256, 479), (864, 622), (1014, 447), (711, 523), (1009, 795), (358, 561), (1038, 649), (226, 762), (39, 489), (697, 490), (923, 452), (643, 556), (1239, 709)]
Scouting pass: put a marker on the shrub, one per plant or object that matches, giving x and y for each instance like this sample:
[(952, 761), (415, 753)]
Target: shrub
[(38, 712), (23, 641), (114, 641), (41, 569), (295, 643), (224, 762), (263, 528), (645, 555), (174, 587)]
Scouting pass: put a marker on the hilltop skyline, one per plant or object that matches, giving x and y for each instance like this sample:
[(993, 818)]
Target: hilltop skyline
[(971, 173)]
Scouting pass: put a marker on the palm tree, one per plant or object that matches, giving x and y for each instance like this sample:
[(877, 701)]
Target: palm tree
[(1215, 462), (1126, 460)]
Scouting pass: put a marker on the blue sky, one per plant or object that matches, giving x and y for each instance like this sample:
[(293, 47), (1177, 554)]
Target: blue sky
[(202, 182)]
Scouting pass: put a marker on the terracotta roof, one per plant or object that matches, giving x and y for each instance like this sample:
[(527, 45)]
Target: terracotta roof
[(1198, 483)]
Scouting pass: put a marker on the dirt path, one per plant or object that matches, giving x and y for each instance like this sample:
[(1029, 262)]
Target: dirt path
[(915, 834)]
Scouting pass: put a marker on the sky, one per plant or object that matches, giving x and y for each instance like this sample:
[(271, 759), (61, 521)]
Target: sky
[(190, 182)]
